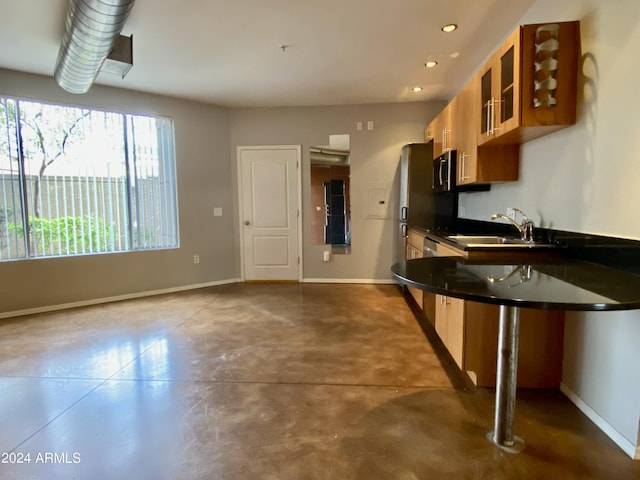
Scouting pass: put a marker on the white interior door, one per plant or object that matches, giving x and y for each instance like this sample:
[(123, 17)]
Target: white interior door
[(269, 212)]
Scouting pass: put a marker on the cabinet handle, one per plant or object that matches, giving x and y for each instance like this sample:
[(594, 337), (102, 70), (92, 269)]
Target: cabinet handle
[(444, 140), (462, 156), (493, 116), (495, 113), (488, 118)]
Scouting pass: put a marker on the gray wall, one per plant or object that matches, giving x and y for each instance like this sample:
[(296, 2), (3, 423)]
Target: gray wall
[(206, 140), (585, 179), (203, 172), (374, 158)]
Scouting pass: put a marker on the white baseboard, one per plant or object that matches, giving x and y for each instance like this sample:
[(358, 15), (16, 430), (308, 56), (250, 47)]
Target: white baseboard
[(371, 281), (629, 448), (116, 298)]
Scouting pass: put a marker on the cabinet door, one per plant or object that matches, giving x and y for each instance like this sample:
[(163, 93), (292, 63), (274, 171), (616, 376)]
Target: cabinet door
[(435, 129), (441, 317), (528, 87), (466, 133), (416, 293), (499, 91), (506, 86), (450, 325), (442, 131), (449, 130), (482, 163), (455, 329), (485, 98)]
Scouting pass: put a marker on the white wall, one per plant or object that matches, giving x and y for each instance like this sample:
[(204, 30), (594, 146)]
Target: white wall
[(586, 179)]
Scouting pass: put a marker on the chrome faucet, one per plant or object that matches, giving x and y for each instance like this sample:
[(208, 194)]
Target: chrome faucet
[(525, 228)]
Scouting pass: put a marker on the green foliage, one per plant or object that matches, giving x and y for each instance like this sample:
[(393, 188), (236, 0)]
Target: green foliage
[(67, 235), (6, 213)]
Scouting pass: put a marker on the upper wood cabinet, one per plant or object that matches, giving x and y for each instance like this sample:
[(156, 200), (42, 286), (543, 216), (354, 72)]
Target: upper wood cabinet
[(528, 88), (442, 130), (479, 165)]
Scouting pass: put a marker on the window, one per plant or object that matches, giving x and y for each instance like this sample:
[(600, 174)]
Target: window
[(75, 181)]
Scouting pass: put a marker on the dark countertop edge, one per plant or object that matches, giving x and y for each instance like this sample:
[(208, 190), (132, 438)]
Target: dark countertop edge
[(513, 302)]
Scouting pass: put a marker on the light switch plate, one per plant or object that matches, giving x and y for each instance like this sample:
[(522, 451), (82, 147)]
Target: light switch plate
[(217, 211)]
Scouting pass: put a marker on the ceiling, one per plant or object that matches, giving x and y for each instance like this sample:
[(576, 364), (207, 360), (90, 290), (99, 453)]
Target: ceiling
[(230, 53)]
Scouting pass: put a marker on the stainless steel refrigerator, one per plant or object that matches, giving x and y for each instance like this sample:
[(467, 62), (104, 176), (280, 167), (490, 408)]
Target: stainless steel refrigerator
[(420, 206)]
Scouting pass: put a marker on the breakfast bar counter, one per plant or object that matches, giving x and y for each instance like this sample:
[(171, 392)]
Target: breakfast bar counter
[(553, 284)]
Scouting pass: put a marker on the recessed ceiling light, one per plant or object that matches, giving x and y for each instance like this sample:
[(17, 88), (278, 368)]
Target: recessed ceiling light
[(430, 64), (417, 89), (455, 55), (451, 27)]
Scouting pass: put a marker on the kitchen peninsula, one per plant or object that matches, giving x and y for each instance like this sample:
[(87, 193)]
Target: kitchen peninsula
[(560, 284)]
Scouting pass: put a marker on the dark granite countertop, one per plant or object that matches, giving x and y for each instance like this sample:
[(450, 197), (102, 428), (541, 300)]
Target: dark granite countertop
[(614, 252), (558, 284)]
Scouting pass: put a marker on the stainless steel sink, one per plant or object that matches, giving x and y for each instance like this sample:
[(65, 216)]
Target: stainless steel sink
[(495, 241)]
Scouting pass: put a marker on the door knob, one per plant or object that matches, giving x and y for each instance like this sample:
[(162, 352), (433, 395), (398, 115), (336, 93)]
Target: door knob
[(247, 222)]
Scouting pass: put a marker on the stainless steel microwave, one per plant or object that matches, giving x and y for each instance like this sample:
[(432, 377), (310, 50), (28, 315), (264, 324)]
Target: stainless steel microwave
[(444, 172)]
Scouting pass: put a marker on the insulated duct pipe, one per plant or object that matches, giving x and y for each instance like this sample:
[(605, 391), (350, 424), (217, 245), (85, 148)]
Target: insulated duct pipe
[(91, 29)]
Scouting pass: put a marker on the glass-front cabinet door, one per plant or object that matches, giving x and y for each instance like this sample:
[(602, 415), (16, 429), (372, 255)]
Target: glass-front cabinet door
[(500, 91)]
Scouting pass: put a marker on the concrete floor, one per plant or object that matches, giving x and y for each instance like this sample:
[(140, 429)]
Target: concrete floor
[(267, 382)]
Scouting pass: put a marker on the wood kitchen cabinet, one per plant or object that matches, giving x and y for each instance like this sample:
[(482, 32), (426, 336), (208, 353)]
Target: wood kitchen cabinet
[(469, 330), (455, 128), (450, 314), (476, 165), (528, 88), (442, 130), (415, 249)]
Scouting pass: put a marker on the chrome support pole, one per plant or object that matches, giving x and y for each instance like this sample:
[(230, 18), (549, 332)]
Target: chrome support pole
[(506, 381)]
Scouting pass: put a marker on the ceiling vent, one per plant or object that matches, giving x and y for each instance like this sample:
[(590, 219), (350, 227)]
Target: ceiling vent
[(91, 31)]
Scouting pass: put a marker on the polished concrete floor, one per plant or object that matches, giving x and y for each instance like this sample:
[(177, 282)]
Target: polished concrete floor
[(267, 382)]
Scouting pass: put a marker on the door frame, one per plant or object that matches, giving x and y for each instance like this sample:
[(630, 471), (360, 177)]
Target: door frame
[(298, 150)]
